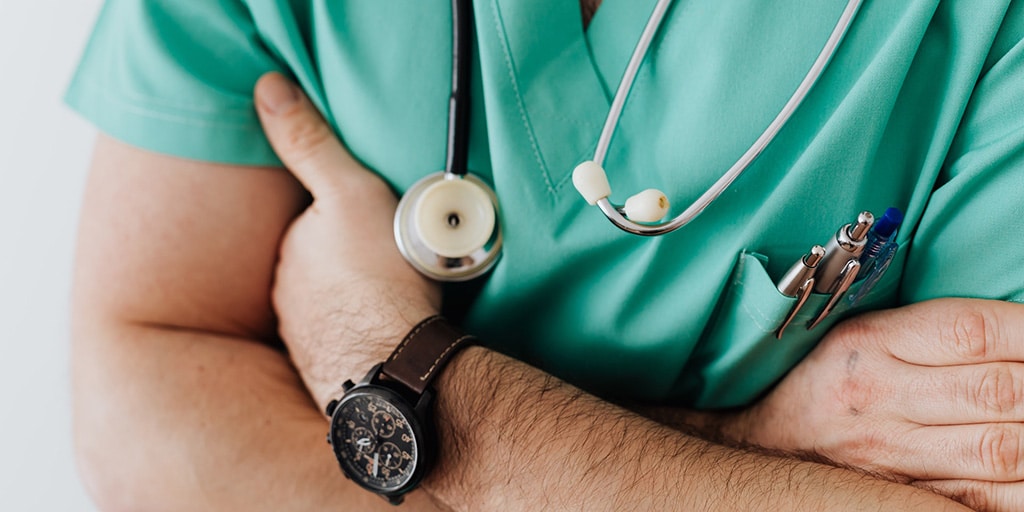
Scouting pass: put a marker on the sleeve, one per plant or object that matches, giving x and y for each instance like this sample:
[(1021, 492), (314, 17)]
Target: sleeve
[(970, 241), (176, 77)]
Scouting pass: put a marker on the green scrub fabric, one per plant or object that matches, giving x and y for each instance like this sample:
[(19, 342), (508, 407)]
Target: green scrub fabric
[(922, 108)]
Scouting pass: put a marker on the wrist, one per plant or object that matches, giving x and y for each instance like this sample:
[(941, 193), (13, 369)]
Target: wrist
[(467, 419), (383, 432), (351, 338)]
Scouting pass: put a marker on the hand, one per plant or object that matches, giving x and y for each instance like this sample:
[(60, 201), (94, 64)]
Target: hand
[(343, 294), (931, 393)]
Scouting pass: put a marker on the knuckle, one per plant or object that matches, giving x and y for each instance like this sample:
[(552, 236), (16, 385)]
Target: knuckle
[(969, 333), (996, 390), (852, 329), (999, 452), (867, 332)]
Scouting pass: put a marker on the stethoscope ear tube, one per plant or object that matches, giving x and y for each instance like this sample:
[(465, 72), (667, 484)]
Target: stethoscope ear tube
[(649, 226)]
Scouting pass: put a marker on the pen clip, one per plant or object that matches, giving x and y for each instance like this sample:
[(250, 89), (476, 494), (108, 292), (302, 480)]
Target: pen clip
[(802, 294), (838, 290)]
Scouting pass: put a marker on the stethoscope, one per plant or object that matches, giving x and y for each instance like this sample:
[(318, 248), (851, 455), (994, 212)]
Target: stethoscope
[(447, 224)]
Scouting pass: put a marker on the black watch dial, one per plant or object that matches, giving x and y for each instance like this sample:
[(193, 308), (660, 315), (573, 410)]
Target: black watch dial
[(375, 442)]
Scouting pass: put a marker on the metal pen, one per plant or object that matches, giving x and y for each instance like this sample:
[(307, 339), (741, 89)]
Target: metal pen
[(839, 288), (879, 239), (799, 282), (847, 244), (800, 272)]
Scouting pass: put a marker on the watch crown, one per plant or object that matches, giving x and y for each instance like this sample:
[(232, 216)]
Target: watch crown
[(329, 439), (347, 386), (331, 406)]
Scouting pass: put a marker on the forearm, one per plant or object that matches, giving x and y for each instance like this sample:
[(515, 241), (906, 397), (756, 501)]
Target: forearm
[(169, 419), (516, 439)]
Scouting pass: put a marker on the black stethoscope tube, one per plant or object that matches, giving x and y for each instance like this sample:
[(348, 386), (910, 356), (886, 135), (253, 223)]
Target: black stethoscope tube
[(459, 101)]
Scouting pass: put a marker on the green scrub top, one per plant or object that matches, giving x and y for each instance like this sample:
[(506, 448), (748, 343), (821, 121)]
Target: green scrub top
[(922, 108)]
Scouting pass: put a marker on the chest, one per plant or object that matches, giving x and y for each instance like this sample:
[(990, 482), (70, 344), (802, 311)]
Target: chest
[(571, 288), (588, 8)]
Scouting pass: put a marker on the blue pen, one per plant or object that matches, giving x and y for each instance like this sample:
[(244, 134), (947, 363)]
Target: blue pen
[(878, 252), (881, 233)]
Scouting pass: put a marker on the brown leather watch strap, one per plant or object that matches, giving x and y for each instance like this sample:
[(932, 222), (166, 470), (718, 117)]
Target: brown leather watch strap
[(424, 352)]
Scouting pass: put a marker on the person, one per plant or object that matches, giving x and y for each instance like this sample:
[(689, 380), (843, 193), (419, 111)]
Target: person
[(177, 257)]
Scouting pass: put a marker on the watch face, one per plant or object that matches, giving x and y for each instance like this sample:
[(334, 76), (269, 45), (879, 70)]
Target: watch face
[(375, 441)]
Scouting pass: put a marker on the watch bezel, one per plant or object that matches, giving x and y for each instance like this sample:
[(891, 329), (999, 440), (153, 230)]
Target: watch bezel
[(418, 418)]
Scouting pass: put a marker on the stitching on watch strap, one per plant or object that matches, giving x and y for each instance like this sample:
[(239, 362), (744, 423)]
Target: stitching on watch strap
[(412, 334), (426, 376)]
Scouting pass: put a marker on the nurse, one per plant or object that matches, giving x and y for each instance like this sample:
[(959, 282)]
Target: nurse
[(686, 319)]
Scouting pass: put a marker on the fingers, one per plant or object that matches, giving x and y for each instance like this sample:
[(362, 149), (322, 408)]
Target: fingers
[(991, 452), (946, 332), (302, 139), (980, 495), (947, 395)]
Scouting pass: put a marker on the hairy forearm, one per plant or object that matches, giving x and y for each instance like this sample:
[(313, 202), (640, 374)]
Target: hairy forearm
[(172, 419), (515, 438)]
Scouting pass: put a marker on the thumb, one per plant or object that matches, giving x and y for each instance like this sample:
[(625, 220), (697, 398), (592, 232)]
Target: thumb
[(301, 138)]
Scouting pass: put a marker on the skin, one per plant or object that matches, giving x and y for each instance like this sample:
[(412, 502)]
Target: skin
[(182, 403), (937, 404), (588, 8), (217, 420)]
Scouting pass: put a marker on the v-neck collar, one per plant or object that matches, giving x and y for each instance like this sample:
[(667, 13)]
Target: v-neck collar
[(562, 76)]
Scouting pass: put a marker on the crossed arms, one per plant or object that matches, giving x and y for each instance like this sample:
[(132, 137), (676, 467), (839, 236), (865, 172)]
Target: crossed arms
[(183, 403)]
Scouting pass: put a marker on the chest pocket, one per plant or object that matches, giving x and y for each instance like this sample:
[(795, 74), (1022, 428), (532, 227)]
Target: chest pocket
[(739, 357)]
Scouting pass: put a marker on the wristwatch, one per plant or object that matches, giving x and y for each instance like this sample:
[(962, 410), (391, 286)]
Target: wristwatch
[(382, 429)]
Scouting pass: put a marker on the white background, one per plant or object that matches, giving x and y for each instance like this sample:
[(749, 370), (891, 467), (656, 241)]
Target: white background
[(44, 151)]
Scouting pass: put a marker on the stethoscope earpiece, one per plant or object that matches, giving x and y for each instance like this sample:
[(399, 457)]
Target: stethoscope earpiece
[(643, 213), (446, 226), (648, 206), (591, 182)]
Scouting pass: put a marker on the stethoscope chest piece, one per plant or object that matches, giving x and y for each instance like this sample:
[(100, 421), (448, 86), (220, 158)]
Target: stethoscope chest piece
[(446, 227)]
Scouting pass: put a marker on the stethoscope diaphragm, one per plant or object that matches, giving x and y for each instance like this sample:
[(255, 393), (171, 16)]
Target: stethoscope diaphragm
[(446, 226)]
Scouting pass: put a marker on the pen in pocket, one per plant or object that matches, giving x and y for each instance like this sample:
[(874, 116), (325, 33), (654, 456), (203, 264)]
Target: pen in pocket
[(799, 283), (847, 244), (879, 252)]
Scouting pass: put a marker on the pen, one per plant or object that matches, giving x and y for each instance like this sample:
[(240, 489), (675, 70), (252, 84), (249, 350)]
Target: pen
[(800, 272), (799, 282), (878, 238), (839, 288), (847, 244), (878, 252)]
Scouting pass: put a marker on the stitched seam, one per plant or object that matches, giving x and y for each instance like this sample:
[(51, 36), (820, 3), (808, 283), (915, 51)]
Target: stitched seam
[(444, 353), (764, 322), (507, 54), (412, 334), (209, 119)]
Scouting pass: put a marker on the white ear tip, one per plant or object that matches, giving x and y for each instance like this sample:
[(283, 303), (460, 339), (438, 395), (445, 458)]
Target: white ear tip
[(591, 182), (651, 205)]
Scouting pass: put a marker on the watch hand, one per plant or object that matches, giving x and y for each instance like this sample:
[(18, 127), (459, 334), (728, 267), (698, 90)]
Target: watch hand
[(376, 456)]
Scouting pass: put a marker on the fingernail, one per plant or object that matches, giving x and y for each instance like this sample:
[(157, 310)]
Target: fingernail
[(278, 94)]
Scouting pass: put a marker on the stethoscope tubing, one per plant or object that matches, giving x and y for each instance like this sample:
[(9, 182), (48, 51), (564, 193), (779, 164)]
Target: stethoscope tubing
[(614, 212), (459, 102), (432, 254), (435, 245)]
